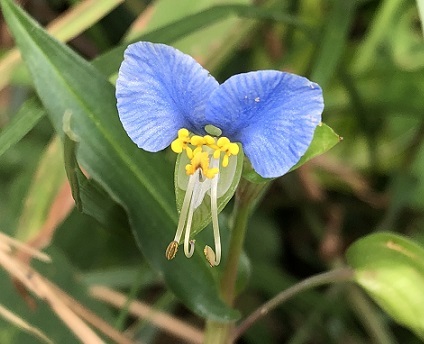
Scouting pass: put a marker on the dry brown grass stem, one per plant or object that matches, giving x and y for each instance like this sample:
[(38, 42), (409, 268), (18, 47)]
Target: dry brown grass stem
[(69, 310), (21, 323), (160, 319), (7, 242)]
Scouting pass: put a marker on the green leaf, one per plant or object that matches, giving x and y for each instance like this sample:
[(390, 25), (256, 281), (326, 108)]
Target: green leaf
[(407, 43), (324, 139), (68, 26), (139, 181), (90, 198), (120, 277), (333, 41), (391, 269), (48, 179), (109, 63), (27, 117), (379, 29), (211, 44), (73, 172)]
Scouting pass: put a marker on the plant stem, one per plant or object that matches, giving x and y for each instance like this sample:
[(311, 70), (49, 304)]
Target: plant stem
[(229, 278), (247, 196), (338, 275), (217, 332), (135, 288), (369, 317)]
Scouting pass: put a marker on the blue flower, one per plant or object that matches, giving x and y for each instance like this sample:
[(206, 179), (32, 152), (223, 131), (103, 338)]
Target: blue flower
[(165, 96)]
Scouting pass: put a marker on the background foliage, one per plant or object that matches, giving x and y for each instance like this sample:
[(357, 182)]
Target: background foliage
[(58, 120)]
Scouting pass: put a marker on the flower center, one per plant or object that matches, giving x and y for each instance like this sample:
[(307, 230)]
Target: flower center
[(206, 154), (202, 149)]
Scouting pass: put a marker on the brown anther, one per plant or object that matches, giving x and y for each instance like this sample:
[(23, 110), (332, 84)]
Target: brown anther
[(171, 250), (210, 255)]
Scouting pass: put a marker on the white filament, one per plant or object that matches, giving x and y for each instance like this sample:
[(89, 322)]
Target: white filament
[(185, 208), (189, 245), (215, 224)]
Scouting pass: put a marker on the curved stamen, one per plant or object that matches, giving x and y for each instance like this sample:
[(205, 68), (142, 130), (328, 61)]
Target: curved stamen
[(206, 154), (185, 208), (215, 258), (188, 244), (196, 189), (189, 247)]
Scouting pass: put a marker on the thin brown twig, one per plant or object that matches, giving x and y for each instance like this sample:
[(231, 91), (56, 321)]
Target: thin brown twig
[(21, 323), (338, 275), (59, 210), (68, 309), (91, 317), (36, 283), (140, 23), (5, 247), (357, 182), (7, 242), (162, 320)]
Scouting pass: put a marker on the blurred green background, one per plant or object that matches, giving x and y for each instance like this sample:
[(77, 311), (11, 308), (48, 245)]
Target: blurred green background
[(368, 57)]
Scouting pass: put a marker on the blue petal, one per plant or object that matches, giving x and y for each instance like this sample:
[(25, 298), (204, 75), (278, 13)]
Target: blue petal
[(273, 114), (160, 90)]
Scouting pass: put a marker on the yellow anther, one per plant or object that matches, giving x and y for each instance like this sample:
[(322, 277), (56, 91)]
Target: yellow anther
[(197, 140), (177, 146), (180, 143), (233, 148), (223, 141), (195, 162), (209, 140), (201, 160), (225, 160), (210, 255), (183, 132), (197, 150), (171, 250), (210, 173), (189, 152), (226, 146), (190, 169)]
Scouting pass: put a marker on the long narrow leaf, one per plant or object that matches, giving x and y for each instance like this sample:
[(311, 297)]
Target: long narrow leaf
[(109, 63), (333, 41), (27, 117), (64, 28), (140, 181)]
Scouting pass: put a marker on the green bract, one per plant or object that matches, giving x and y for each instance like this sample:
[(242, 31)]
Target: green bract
[(391, 269)]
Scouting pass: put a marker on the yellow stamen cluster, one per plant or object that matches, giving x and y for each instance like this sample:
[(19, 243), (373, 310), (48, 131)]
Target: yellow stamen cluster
[(203, 148), (229, 148), (201, 160), (181, 142)]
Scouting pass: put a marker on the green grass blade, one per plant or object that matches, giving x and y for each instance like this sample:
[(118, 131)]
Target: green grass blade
[(109, 63), (64, 28), (27, 117), (333, 41), (139, 181)]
